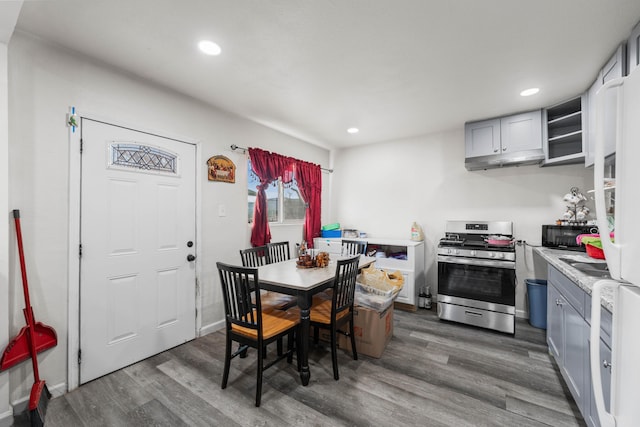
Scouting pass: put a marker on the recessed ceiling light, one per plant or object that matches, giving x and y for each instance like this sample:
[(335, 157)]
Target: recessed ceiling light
[(209, 47), (529, 92), (353, 130)]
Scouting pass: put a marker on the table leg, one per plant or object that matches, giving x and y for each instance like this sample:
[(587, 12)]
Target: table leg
[(304, 303)]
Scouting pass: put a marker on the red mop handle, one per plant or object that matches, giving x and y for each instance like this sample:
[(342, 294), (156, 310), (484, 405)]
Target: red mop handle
[(28, 312)]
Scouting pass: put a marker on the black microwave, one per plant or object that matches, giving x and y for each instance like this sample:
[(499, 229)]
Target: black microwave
[(564, 236)]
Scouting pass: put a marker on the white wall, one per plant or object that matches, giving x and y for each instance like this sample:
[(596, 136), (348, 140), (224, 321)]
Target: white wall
[(44, 81), (5, 410), (381, 189)]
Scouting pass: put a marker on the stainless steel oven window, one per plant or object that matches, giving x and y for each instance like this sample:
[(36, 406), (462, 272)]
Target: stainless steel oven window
[(483, 283)]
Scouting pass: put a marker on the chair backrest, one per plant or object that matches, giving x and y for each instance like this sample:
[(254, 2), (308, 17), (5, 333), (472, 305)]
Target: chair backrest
[(344, 285), (254, 257), (240, 287), (278, 252), (354, 247)]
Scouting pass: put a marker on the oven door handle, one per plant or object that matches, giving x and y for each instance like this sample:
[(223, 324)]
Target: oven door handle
[(476, 261)]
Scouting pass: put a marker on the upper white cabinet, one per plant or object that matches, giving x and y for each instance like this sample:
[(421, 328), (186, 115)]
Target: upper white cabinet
[(509, 140), (563, 132), (633, 48), (521, 132), (482, 138), (614, 68)]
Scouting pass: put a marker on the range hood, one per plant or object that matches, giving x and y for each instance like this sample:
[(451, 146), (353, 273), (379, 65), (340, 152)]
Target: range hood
[(520, 158)]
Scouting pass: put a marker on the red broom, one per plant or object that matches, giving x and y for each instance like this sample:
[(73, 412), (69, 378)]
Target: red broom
[(40, 395)]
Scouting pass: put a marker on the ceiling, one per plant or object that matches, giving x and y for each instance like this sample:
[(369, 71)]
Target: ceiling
[(313, 68)]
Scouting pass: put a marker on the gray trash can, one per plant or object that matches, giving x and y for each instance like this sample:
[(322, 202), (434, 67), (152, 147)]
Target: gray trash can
[(537, 292)]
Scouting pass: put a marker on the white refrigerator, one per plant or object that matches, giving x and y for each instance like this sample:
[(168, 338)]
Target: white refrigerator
[(623, 255)]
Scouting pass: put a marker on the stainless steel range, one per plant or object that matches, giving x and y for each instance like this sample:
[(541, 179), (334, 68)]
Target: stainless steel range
[(477, 274)]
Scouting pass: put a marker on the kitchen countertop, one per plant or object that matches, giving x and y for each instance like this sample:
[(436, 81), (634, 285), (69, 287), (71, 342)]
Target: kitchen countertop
[(584, 281)]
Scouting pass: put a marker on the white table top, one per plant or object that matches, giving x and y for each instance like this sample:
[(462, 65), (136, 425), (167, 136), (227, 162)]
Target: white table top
[(288, 275)]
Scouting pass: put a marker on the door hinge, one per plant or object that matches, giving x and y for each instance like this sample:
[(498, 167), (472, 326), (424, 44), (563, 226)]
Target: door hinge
[(80, 250), (79, 356), (81, 145)]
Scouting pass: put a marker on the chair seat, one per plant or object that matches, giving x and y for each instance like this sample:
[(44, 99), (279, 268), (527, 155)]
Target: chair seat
[(273, 323), (321, 311)]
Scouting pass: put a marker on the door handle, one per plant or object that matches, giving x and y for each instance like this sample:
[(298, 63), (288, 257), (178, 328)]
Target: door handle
[(191, 257), (606, 364)]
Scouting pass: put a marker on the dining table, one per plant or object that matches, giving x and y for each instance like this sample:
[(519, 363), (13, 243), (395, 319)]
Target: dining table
[(288, 278)]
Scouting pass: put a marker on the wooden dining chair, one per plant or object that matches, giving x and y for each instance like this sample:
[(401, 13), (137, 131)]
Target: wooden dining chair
[(248, 325), (257, 257), (278, 252), (254, 257), (334, 313), (354, 247)]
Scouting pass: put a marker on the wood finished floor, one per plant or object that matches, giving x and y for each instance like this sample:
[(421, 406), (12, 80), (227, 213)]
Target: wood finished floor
[(432, 373)]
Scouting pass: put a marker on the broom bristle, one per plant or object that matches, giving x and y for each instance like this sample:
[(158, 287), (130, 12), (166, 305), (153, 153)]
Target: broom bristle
[(38, 402)]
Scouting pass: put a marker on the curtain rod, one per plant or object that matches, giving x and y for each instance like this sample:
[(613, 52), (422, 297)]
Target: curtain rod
[(235, 147)]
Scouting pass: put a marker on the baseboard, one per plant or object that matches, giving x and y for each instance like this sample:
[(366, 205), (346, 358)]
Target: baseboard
[(20, 405), (403, 306), (522, 314), (6, 419), (211, 327)]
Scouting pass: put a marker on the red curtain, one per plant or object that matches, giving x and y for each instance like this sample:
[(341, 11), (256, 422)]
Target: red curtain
[(309, 179), (268, 167)]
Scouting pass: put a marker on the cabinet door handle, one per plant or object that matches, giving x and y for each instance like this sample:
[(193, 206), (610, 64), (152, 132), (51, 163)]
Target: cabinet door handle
[(504, 148), (495, 151), (606, 364), (559, 303)]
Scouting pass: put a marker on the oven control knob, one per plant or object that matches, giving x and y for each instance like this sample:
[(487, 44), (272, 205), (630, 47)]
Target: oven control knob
[(491, 254), (499, 255), (473, 253)]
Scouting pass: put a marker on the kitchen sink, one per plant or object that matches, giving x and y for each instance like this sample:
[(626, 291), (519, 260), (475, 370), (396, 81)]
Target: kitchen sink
[(594, 269)]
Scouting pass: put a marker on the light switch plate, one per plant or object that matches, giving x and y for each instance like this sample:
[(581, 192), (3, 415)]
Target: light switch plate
[(222, 210)]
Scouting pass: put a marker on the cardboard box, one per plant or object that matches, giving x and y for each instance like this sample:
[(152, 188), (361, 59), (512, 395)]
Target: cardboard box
[(373, 331)]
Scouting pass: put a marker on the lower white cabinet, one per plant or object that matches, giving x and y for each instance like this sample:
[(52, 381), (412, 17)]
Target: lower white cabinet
[(405, 256), (591, 412), (566, 335), (568, 329)]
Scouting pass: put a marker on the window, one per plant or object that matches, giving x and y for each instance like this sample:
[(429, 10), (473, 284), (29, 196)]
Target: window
[(284, 202)]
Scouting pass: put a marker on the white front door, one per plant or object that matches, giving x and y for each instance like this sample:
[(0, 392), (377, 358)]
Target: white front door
[(137, 228)]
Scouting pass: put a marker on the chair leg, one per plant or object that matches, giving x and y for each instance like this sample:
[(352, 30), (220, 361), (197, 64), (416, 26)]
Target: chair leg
[(334, 353), (259, 378), (353, 339), (279, 343), (290, 338), (243, 354), (227, 362), (316, 335)]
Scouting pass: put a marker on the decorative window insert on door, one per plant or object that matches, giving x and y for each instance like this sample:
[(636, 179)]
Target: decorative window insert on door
[(144, 157)]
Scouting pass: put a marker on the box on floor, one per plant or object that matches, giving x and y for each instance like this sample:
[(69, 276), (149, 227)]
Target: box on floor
[(373, 331)]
